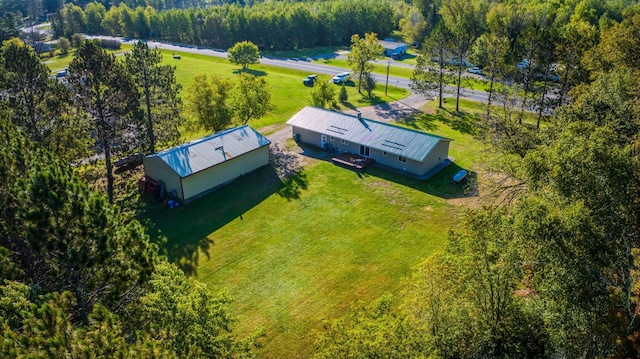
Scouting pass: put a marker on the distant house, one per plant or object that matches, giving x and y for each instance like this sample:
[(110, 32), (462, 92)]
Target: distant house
[(411, 151), (195, 168), (392, 48)]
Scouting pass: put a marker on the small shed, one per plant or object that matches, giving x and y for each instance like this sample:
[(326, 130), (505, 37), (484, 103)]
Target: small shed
[(198, 167), (414, 152), (393, 47)]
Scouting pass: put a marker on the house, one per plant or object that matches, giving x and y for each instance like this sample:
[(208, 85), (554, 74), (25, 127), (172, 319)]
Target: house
[(404, 149), (393, 48), (196, 168)]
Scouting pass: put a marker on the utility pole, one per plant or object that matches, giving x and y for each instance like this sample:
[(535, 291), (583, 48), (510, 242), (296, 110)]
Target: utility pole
[(387, 84)]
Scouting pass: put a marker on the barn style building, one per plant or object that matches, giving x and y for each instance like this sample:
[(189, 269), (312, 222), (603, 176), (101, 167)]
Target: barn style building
[(404, 149), (198, 167)]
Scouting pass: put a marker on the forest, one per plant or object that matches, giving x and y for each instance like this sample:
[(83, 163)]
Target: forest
[(548, 268)]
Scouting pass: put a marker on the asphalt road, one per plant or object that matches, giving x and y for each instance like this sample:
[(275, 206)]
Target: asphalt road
[(306, 66)]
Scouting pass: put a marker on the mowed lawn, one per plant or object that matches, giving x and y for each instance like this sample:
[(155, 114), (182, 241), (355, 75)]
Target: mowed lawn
[(289, 95), (290, 262), (292, 254)]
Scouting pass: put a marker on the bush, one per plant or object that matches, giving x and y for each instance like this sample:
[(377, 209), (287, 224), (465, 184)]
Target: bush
[(64, 45), (108, 44), (343, 97), (76, 41)]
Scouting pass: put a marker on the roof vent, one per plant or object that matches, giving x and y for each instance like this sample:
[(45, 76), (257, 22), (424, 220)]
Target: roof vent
[(359, 116)]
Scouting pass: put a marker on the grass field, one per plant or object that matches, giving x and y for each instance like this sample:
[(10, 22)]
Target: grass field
[(289, 95), (60, 62), (294, 253)]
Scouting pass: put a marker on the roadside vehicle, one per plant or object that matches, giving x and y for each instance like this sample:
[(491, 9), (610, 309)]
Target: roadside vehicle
[(475, 70), (341, 78), (310, 80)]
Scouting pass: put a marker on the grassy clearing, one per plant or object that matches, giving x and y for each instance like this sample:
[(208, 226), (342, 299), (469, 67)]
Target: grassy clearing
[(290, 261), (295, 252), (60, 62), (289, 95), (326, 51)]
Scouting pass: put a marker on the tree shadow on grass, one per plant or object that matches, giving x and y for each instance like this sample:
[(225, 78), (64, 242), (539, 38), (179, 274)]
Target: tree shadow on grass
[(439, 185), (256, 73), (183, 233), (422, 121), (462, 122)]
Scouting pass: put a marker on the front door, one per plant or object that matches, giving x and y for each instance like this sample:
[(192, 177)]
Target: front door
[(364, 151), (323, 141)]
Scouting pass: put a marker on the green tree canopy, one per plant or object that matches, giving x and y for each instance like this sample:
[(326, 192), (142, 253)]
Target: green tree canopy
[(208, 101), (250, 98), (106, 91), (363, 50), (244, 53), (159, 98)]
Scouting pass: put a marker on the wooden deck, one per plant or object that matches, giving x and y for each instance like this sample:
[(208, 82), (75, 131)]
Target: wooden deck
[(353, 161)]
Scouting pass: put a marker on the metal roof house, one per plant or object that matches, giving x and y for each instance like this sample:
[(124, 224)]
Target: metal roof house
[(404, 149), (393, 48), (195, 168)]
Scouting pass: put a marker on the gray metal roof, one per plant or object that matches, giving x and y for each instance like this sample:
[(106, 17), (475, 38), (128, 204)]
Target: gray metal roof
[(206, 152), (396, 140), (391, 45)]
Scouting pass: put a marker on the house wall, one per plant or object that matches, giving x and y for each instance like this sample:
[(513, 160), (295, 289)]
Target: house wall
[(306, 136), (225, 172), (439, 153), (436, 156), (157, 169), (391, 160)]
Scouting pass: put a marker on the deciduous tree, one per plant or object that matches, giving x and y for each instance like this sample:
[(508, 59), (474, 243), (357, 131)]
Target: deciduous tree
[(208, 101), (323, 93), (244, 53), (363, 50), (250, 98)]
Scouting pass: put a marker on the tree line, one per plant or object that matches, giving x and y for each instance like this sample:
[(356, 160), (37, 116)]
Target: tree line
[(270, 25)]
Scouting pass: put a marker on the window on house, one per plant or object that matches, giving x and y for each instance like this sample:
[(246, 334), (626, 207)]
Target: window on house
[(343, 142), (402, 159), (384, 153), (331, 138)]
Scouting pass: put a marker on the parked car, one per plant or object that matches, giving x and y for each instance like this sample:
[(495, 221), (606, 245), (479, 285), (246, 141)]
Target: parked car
[(62, 73), (341, 78), (396, 56), (310, 80), (475, 70)]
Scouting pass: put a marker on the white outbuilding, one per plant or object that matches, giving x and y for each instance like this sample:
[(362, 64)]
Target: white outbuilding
[(198, 167)]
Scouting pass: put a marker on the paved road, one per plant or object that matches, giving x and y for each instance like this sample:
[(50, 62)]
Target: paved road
[(301, 65)]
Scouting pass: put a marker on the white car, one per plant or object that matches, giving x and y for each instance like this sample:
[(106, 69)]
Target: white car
[(341, 78), (475, 70)]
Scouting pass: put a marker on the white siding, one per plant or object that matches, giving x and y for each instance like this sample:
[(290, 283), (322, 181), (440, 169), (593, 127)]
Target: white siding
[(225, 172), (157, 169)]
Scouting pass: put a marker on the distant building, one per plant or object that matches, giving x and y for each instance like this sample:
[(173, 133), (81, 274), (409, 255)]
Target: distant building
[(392, 48), (198, 167), (408, 150)]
